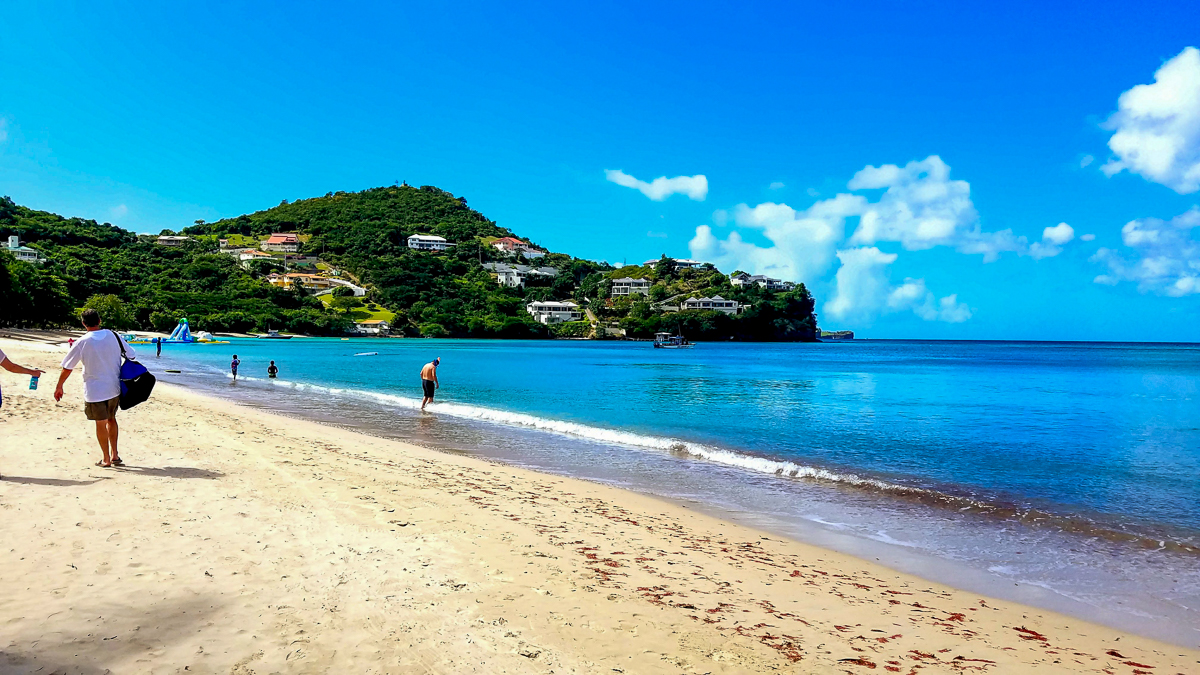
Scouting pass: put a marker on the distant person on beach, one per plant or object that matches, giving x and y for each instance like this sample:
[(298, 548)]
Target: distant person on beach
[(70, 343), (272, 371), (158, 346), (429, 381), (233, 366), (100, 353)]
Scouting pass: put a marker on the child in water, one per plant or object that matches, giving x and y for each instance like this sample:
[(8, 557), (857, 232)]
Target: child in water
[(233, 366), (272, 370)]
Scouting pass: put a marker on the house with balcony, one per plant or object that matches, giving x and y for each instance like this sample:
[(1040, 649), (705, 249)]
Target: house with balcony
[(554, 311), (172, 240), (680, 263), (515, 276), (742, 280), (282, 242), (628, 286), (513, 246), (428, 242), (23, 253), (716, 304)]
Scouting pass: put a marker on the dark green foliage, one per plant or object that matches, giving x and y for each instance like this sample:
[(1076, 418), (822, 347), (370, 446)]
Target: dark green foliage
[(154, 285), (434, 294)]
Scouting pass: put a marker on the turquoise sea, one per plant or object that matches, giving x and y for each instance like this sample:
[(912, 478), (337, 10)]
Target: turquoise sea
[(1065, 475)]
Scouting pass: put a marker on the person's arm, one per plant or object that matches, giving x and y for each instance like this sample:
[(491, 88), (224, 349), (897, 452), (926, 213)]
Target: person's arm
[(436, 384), (11, 367), (62, 377)]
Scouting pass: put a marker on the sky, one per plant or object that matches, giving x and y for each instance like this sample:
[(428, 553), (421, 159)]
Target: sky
[(929, 170)]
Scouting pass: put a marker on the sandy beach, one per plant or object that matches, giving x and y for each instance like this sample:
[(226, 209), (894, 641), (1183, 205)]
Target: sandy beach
[(237, 541)]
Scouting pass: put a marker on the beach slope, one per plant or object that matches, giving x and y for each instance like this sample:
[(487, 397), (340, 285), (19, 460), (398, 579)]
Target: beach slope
[(236, 541)]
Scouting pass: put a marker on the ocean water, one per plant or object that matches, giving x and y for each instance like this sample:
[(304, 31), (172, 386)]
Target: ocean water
[(1065, 475)]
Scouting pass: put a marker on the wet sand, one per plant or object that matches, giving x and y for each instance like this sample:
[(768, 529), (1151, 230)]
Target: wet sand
[(240, 541)]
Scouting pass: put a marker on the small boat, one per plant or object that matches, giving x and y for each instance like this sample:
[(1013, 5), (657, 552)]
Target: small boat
[(668, 341), (367, 354), (274, 335)]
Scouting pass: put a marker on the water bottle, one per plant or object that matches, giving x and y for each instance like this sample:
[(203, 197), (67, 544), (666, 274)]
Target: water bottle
[(33, 382)]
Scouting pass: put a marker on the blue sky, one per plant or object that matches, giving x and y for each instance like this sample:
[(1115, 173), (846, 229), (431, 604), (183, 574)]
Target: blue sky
[(985, 126)]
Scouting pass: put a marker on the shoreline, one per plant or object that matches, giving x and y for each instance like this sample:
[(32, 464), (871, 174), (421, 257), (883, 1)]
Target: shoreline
[(690, 590)]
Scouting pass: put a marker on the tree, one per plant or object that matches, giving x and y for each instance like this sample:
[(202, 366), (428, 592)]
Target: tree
[(345, 303), (113, 311), (659, 292), (343, 292), (665, 267)]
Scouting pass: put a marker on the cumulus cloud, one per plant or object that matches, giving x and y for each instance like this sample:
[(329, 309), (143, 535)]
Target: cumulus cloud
[(1165, 255), (695, 187), (863, 290), (920, 207), (1157, 126), (1086, 160), (1053, 239), (803, 242)]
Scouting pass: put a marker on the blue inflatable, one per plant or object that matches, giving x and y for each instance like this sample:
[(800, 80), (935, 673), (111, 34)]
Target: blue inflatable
[(181, 333)]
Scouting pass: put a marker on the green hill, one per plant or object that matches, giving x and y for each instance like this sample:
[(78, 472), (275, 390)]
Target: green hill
[(364, 235)]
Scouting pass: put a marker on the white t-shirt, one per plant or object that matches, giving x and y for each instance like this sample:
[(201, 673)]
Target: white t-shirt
[(2, 356), (101, 357)]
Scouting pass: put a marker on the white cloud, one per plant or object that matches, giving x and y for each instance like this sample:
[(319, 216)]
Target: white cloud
[(1059, 234), (863, 291), (1053, 239), (803, 242), (1167, 256), (776, 186), (1087, 237), (1157, 126), (1086, 160), (695, 187), (920, 207)]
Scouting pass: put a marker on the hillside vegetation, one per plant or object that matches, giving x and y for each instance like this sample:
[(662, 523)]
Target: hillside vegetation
[(364, 236)]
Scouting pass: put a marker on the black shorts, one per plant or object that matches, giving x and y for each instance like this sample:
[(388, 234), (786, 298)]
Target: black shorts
[(427, 386)]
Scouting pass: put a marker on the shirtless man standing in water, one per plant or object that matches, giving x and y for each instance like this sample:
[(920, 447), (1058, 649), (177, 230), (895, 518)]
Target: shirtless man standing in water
[(429, 381)]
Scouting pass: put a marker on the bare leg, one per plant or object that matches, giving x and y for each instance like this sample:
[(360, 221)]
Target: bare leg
[(112, 439), (102, 438)]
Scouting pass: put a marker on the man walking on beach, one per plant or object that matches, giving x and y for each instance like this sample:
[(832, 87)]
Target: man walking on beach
[(429, 381), (100, 352)]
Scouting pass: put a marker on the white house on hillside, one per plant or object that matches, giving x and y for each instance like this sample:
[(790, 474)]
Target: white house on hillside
[(553, 311), (716, 303), (23, 253), (514, 276), (428, 242), (627, 285), (172, 240), (680, 263), (761, 280)]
